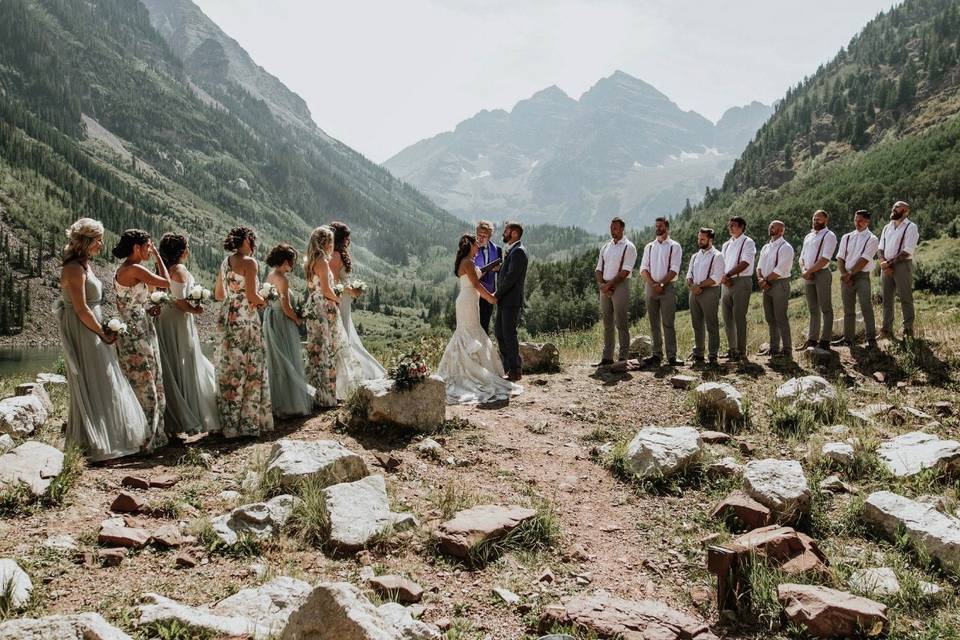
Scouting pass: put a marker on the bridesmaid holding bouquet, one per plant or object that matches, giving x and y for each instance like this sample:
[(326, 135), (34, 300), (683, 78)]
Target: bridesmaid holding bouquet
[(323, 327), (243, 399), (138, 302), (292, 394)]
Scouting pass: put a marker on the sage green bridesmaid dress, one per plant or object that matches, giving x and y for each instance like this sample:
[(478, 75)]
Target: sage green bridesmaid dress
[(105, 418), (291, 394)]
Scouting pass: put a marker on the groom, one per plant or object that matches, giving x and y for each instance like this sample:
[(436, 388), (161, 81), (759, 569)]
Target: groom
[(509, 296)]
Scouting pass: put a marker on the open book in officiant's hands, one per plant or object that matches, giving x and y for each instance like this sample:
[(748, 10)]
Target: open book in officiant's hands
[(491, 266)]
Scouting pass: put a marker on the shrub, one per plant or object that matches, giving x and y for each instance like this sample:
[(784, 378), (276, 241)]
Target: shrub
[(940, 277)]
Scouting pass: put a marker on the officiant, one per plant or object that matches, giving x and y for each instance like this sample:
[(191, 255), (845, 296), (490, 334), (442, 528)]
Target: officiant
[(487, 253)]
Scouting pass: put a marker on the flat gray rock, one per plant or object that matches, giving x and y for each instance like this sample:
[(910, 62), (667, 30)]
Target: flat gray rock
[(779, 485), (720, 398), (839, 453), (324, 461), (51, 378), (360, 511), (80, 626), (937, 534), (22, 415), (659, 452), (34, 464), (261, 520), (910, 453), (811, 390), (422, 408)]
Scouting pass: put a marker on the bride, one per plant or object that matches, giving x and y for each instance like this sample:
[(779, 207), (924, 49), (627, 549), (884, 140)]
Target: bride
[(354, 363), (471, 366)]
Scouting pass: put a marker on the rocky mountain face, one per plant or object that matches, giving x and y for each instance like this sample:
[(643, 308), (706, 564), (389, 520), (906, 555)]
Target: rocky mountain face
[(622, 149)]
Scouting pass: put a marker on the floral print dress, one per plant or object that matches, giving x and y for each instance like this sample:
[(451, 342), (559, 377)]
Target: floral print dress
[(139, 354), (243, 398), (322, 345)]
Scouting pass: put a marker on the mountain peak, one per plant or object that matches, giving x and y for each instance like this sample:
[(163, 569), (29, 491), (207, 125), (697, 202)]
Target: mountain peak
[(619, 86)]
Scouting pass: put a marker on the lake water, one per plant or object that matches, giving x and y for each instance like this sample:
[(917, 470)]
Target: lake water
[(27, 362)]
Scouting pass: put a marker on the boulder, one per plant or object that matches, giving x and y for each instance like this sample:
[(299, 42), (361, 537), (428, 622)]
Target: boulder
[(479, 525), (323, 461), (51, 378), (608, 616), (934, 533), (15, 582), (641, 347), (828, 613), (794, 552), (539, 357), (719, 399), (359, 512), (35, 389), (911, 453), (809, 390), (396, 588), (261, 612), (838, 453), (744, 508), (22, 415), (779, 485), (658, 452), (80, 626), (261, 520), (422, 408), (338, 611), (34, 464), (6, 443)]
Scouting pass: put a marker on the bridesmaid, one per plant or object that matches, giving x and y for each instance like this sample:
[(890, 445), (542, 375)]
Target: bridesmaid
[(138, 350), (354, 359), (292, 395), (189, 380), (244, 388), (105, 418), (323, 325)]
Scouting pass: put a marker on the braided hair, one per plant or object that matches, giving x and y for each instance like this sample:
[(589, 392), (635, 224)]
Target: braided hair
[(128, 240), (341, 233), (172, 247), (237, 235)]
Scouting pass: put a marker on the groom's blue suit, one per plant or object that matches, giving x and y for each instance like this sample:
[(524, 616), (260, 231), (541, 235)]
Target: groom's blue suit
[(510, 281)]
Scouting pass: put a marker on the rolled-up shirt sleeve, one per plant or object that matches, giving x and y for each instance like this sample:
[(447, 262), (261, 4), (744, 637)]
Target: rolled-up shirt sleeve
[(630, 259), (676, 260), (645, 261), (749, 252), (829, 246), (784, 261), (717, 269), (600, 259), (693, 259), (911, 239)]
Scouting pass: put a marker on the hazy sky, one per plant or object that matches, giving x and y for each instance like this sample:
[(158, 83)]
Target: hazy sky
[(382, 74)]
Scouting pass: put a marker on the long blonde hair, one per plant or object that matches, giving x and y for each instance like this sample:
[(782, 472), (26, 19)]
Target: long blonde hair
[(320, 244), (80, 237)]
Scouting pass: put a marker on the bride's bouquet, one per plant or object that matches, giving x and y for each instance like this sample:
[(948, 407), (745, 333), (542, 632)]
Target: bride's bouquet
[(339, 288), (198, 296), (268, 292), (410, 371), (114, 327), (358, 285)]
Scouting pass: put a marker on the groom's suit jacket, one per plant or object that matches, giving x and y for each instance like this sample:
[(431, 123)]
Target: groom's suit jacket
[(511, 277)]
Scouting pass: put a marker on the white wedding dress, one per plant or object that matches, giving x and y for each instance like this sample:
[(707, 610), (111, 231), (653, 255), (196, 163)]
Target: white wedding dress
[(362, 366), (471, 366)]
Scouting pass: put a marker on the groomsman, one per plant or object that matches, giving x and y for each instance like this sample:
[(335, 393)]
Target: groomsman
[(703, 282), (815, 256), (774, 268), (614, 267), (739, 253), (898, 243), (487, 253), (855, 260), (659, 268)]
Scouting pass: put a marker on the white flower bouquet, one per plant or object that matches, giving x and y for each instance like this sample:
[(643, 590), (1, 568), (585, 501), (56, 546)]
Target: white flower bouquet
[(159, 298), (197, 296), (269, 292), (115, 326), (339, 288), (358, 285)]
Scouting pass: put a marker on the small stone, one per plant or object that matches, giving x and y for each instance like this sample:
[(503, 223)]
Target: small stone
[(839, 453), (828, 613), (720, 399), (167, 536), (880, 376), (130, 537), (546, 576), (6, 443), (910, 453), (397, 588), (780, 485), (389, 462), (126, 503), (185, 560), (54, 379), (748, 511), (943, 408), (34, 464), (715, 437), (934, 533), (62, 542), (323, 461), (507, 596), (724, 468), (810, 390), (112, 557), (682, 382), (135, 482), (660, 452), (164, 481), (480, 524), (229, 495), (875, 582), (834, 484)]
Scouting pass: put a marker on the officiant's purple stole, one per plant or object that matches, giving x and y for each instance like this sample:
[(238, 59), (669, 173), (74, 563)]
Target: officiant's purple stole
[(486, 255)]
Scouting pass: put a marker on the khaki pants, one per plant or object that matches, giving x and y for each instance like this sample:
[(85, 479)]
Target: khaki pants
[(614, 311), (901, 284), (858, 291), (705, 311), (661, 310), (776, 301), (820, 305), (735, 300)]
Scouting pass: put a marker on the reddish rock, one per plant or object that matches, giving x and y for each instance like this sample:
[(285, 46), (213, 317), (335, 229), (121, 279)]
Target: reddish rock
[(482, 524), (389, 462), (746, 448), (126, 503), (167, 536), (744, 508), (112, 557), (828, 613), (608, 616), (715, 437), (135, 482), (397, 588), (129, 537), (783, 546), (164, 481), (185, 560), (546, 576)]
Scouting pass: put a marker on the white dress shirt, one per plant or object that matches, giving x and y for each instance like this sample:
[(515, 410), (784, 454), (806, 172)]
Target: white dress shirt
[(856, 245), (817, 244), (776, 257), (660, 258), (706, 264), (737, 250), (895, 239), (617, 256)]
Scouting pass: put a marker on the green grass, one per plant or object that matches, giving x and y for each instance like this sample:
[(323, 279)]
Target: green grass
[(247, 546), (173, 630), (539, 533), (451, 498), (310, 521)]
